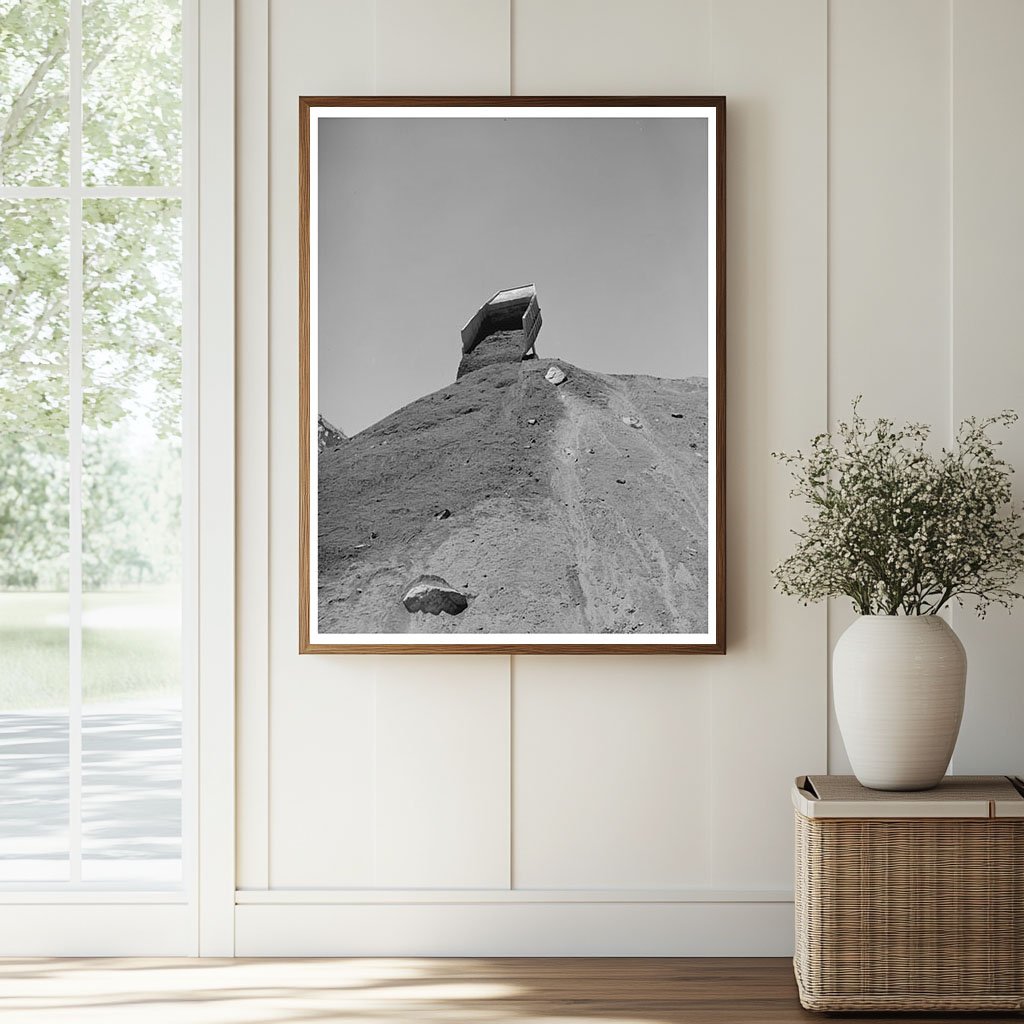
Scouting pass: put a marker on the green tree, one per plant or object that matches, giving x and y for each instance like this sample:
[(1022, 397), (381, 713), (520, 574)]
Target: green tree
[(131, 511), (33, 92), (131, 315), (131, 92), (33, 514)]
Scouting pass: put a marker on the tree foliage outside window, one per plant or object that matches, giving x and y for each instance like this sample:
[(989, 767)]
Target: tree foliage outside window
[(131, 92), (33, 92), (131, 308)]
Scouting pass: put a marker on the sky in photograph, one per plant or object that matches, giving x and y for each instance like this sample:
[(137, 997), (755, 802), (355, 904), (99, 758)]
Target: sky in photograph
[(421, 220)]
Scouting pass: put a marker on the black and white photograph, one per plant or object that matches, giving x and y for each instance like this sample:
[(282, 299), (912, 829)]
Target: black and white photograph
[(511, 375)]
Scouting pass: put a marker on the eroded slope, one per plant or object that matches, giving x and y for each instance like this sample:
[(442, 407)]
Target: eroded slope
[(540, 502)]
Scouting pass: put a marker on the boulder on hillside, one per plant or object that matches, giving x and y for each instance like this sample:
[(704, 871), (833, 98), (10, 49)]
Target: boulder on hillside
[(433, 595), (555, 375)]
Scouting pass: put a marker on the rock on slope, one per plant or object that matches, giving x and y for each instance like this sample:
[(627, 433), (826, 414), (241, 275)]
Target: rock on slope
[(564, 518), (327, 434)]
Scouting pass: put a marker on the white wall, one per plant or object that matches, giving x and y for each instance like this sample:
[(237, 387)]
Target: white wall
[(542, 805)]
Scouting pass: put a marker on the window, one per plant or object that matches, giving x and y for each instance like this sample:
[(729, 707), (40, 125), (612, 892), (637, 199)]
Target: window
[(95, 464)]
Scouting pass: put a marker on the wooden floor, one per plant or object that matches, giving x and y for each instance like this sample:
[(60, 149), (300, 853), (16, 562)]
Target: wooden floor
[(380, 991)]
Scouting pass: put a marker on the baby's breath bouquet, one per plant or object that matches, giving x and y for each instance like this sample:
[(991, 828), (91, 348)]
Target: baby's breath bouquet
[(900, 530)]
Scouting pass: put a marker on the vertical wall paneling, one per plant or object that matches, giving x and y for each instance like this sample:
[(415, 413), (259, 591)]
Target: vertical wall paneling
[(252, 591), (607, 47), (342, 726), (768, 693), (889, 221), (594, 788), (442, 751), (442, 48), (321, 708), (442, 773), (888, 335), (634, 805), (988, 332), (216, 533), (323, 743), (611, 775)]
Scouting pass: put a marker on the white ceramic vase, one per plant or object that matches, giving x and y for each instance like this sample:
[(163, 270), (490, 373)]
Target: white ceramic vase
[(898, 683)]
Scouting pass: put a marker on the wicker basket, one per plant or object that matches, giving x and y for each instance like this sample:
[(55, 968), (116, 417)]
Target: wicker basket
[(910, 901)]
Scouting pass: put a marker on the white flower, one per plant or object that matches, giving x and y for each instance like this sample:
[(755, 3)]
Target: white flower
[(897, 528)]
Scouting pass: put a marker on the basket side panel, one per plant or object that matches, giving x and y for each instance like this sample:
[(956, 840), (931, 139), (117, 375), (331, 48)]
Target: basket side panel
[(929, 909)]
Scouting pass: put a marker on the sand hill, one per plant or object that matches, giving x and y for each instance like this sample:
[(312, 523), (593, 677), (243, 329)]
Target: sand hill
[(576, 508)]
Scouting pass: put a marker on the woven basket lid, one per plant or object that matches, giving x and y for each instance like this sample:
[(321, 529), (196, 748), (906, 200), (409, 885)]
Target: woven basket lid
[(957, 796)]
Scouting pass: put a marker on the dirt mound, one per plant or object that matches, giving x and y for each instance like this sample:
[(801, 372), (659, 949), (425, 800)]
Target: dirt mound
[(498, 347), (562, 517)]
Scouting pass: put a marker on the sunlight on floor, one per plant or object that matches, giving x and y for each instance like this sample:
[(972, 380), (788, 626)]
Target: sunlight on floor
[(141, 991)]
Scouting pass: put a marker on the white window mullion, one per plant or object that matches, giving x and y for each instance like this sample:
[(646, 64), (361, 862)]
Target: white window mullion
[(96, 191), (189, 196), (34, 192), (75, 299)]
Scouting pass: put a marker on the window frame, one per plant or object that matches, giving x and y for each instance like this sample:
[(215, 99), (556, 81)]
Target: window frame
[(69, 918)]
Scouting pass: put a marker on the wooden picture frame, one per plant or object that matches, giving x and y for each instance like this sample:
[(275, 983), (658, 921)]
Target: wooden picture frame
[(442, 632)]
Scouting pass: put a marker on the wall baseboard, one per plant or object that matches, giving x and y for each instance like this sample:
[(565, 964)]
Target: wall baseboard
[(99, 928), (332, 897), (504, 928)]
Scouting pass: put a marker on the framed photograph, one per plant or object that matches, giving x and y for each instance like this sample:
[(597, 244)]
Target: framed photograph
[(512, 375)]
